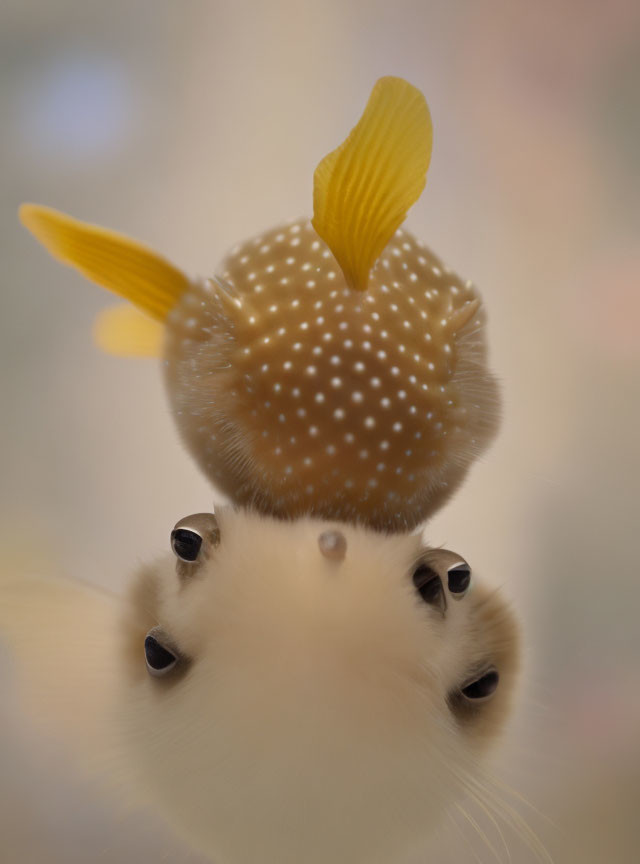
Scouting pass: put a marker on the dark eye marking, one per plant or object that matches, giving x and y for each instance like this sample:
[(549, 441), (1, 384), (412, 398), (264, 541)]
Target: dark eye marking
[(483, 687), (467, 701), (186, 544), (429, 586), (193, 540), (160, 661), (459, 579)]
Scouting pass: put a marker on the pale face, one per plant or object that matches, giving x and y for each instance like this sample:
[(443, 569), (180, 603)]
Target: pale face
[(290, 698)]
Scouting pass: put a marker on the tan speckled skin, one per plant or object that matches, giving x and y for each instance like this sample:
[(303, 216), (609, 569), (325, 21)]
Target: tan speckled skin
[(297, 395)]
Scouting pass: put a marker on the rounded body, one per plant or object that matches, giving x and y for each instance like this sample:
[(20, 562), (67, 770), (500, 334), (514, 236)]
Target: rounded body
[(299, 395), (316, 712)]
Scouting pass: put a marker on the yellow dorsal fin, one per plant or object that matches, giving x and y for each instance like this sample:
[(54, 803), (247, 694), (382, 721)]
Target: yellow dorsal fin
[(125, 331), (112, 260), (362, 190)]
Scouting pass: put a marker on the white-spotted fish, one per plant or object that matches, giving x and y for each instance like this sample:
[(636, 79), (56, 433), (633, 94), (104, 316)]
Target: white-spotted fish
[(335, 367)]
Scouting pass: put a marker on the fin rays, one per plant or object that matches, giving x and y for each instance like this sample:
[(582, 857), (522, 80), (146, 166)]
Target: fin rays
[(111, 260), (363, 189)]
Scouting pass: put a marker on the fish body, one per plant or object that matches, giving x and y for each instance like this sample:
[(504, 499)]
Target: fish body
[(297, 394), (335, 367)]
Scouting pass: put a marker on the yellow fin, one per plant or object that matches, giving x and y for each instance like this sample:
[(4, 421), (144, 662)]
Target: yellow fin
[(125, 331), (112, 260), (362, 190)]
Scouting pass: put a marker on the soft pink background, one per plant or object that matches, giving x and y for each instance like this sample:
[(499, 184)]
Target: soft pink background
[(192, 125)]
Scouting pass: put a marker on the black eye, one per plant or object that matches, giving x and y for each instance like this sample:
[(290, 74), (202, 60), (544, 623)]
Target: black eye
[(160, 661), (429, 586), (186, 544), (482, 687), (458, 579)]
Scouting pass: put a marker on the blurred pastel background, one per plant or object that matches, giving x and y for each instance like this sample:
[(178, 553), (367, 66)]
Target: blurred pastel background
[(192, 125)]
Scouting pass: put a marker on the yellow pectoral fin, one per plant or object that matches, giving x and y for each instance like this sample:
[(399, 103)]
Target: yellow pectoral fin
[(362, 190), (123, 266), (125, 331)]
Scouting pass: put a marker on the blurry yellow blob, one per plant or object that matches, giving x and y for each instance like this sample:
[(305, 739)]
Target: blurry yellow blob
[(125, 331)]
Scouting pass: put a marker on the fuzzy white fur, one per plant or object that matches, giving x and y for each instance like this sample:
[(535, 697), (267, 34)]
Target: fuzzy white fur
[(309, 721)]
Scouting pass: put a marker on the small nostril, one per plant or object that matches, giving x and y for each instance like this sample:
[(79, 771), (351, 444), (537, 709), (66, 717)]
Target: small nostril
[(333, 545)]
